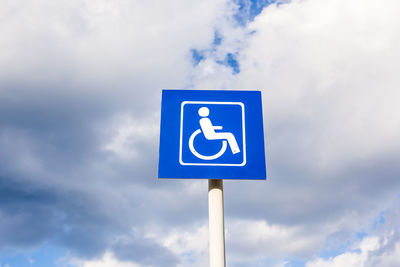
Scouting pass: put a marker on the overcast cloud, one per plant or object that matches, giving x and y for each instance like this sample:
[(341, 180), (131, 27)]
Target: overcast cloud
[(80, 91)]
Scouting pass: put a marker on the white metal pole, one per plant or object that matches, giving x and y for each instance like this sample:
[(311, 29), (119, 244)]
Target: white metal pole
[(216, 222)]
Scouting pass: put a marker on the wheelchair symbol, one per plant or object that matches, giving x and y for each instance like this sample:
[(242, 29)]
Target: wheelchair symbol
[(210, 134)]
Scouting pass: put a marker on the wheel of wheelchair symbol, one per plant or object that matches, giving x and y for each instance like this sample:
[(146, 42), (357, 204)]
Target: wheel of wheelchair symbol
[(200, 156)]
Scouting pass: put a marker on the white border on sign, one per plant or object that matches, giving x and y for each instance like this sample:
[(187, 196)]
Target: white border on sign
[(212, 164)]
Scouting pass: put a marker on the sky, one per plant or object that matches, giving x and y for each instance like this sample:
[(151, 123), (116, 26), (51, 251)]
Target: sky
[(80, 96)]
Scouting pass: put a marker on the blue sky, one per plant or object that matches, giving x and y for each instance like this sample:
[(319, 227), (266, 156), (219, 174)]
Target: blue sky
[(80, 91)]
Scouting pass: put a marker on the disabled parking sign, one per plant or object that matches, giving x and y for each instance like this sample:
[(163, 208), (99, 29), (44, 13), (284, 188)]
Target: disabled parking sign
[(211, 134), (208, 129)]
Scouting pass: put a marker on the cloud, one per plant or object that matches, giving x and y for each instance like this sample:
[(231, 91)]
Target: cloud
[(329, 89), (79, 110), (129, 134), (189, 242), (327, 74), (78, 83), (144, 251), (381, 247), (341, 68), (349, 258), (154, 245), (257, 239), (108, 260)]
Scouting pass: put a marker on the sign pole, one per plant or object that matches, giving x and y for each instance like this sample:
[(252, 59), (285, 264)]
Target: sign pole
[(216, 223)]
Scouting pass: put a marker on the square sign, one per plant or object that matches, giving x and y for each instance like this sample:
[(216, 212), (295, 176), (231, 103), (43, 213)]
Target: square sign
[(211, 134)]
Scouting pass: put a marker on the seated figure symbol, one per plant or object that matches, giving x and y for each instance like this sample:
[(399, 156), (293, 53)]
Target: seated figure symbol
[(209, 132)]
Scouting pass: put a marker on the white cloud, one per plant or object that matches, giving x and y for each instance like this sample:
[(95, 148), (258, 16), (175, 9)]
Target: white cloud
[(68, 71), (350, 259), (118, 47), (328, 72), (380, 246), (390, 258), (259, 239), (130, 135), (189, 243), (367, 254), (329, 66), (107, 260)]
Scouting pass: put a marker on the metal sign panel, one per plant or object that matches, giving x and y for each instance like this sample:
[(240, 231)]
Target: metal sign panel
[(211, 134)]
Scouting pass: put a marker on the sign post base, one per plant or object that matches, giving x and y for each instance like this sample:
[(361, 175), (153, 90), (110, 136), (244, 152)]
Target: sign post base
[(216, 223)]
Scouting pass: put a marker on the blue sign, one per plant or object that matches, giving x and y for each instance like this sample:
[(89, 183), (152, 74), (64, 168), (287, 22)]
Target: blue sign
[(211, 134)]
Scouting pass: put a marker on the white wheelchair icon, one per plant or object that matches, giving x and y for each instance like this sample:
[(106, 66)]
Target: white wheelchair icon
[(210, 134)]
